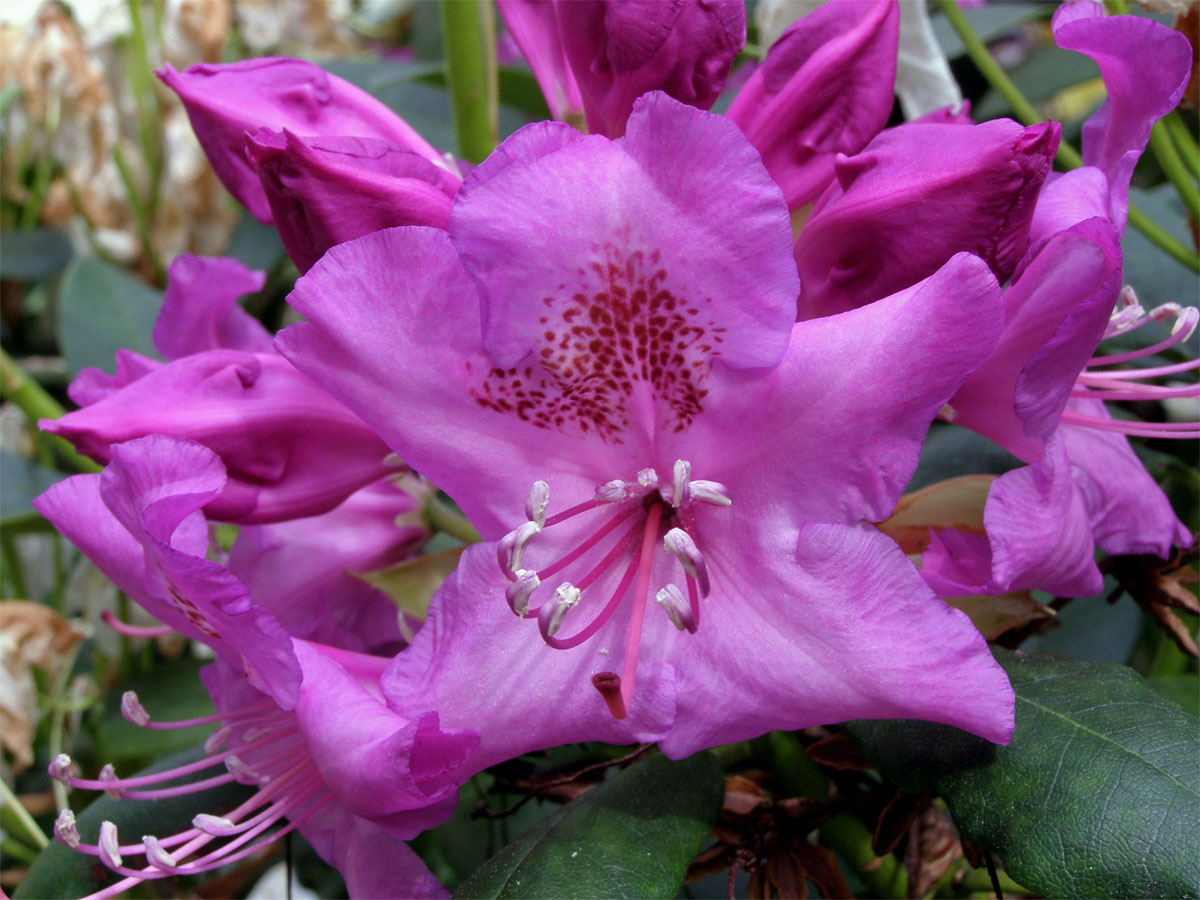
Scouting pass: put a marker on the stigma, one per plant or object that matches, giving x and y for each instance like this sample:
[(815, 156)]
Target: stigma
[(634, 519)]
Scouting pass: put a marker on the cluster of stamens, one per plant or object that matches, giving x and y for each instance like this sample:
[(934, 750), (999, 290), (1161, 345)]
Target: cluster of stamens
[(269, 753), (639, 510), (1098, 382)]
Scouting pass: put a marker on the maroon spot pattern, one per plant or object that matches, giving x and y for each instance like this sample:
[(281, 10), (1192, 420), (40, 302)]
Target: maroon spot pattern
[(192, 614), (621, 326)]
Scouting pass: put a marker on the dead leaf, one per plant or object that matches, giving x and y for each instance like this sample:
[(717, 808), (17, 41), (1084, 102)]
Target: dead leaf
[(954, 503)]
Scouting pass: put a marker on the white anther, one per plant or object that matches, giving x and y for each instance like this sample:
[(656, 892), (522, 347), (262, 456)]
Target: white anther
[(612, 490), (132, 709), (535, 506), (1186, 323), (216, 740), (393, 460), (157, 856), (679, 483), (518, 592), (676, 606), (65, 830), (647, 478), (110, 847), (512, 547), (680, 543), (240, 771), (217, 826), (253, 734), (1165, 311), (947, 413), (108, 773), (60, 768), (709, 492), (566, 595)]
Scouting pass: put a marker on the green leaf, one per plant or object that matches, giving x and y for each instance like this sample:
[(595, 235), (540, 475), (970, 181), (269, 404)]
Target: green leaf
[(411, 583), (60, 872), (632, 836), (102, 309), (23, 480), (1098, 794), (951, 451)]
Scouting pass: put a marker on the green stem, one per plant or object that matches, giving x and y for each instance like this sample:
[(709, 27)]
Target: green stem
[(18, 851), (17, 821), (58, 721), (141, 215), (12, 567), (1184, 141), (469, 36), (32, 399), (1173, 167), (1067, 156), (442, 518), (978, 880)]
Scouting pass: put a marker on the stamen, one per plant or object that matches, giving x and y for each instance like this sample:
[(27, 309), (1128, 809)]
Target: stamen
[(710, 492), (613, 602), (693, 602), (681, 475), (218, 826), (110, 853), (1180, 430), (1185, 324), (1087, 377), (550, 619), (60, 769), (612, 490), (680, 543), (157, 856), (217, 740), (512, 547), (132, 709), (535, 506), (65, 830), (518, 592), (638, 614), (109, 774), (647, 478), (606, 529), (134, 631), (671, 599)]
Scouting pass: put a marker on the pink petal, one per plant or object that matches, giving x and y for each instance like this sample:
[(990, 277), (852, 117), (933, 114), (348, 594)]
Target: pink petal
[(200, 310)]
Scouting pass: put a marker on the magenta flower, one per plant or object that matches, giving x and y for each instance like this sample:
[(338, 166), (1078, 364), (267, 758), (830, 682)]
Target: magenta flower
[(289, 448), (600, 364), (602, 55), (299, 570), (913, 198), (230, 102), (825, 88), (304, 722)]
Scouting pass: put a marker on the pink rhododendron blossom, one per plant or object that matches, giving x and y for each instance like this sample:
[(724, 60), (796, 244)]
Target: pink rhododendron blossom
[(915, 196), (622, 402), (304, 722), (228, 102), (289, 448), (824, 88), (601, 55)]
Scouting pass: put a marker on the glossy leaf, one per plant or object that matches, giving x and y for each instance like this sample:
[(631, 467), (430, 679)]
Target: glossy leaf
[(102, 309), (60, 872), (34, 253), (1098, 794), (632, 836)]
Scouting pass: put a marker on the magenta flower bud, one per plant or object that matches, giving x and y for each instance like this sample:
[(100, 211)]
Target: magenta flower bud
[(916, 196), (607, 53), (327, 190), (228, 101), (824, 88), (289, 448)]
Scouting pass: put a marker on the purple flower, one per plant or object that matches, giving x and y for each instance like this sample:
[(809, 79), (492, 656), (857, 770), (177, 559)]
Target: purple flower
[(229, 102), (825, 88), (326, 190), (602, 55), (289, 448), (299, 570), (913, 198), (304, 722), (600, 364)]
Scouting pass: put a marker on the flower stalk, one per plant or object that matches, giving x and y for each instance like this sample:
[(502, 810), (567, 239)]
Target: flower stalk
[(1174, 168), (1184, 141), (469, 36), (21, 390)]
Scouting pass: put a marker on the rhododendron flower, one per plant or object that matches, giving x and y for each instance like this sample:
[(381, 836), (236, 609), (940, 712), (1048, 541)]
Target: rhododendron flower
[(289, 448), (605, 373), (601, 55), (304, 722)]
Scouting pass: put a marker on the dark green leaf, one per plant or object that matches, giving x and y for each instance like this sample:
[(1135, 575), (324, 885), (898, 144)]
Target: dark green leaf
[(1183, 689), (33, 254), (20, 481), (253, 244), (1098, 794), (102, 309), (1157, 277), (632, 836), (990, 21), (60, 872)]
